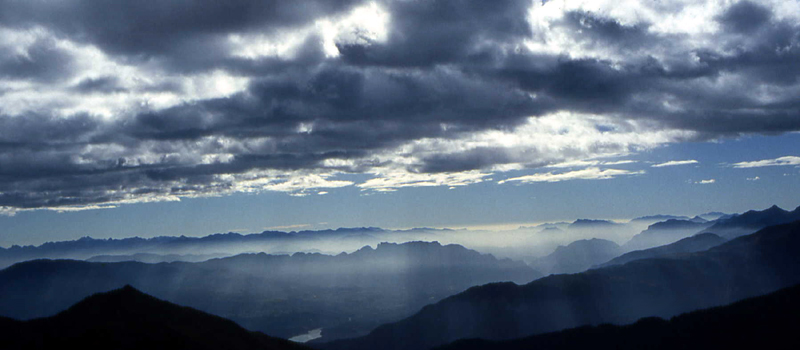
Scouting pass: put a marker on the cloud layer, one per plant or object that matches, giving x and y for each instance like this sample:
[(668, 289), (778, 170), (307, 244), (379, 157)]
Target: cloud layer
[(115, 102)]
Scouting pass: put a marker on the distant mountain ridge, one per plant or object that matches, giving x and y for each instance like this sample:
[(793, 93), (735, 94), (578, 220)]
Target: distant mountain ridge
[(744, 267), (752, 221), (129, 319), (659, 217), (87, 247)]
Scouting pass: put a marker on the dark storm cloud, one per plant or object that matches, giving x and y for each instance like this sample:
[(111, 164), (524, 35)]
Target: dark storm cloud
[(425, 33), (179, 29), (342, 102), (43, 61), (102, 85), (745, 17), (446, 70)]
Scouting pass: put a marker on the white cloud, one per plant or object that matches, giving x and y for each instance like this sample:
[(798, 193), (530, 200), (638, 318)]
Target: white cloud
[(388, 182), (562, 139), (705, 182), (620, 162), (788, 160), (296, 184), (675, 162), (593, 173)]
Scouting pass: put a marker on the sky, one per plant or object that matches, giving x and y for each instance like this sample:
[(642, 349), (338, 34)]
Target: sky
[(130, 118)]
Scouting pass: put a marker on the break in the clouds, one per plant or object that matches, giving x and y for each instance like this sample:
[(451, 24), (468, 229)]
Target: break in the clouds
[(117, 102), (788, 160), (675, 162)]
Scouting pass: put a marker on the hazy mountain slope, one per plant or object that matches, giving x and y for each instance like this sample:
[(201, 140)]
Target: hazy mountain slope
[(769, 321), (347, 294), (664, 287), (664, 232), (129, 319), (577, 256), (696, 243)]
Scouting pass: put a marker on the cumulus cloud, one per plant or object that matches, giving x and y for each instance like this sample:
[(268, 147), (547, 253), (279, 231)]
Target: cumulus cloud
[(583, 174), (782, 161), (206, 98), (675, 162)]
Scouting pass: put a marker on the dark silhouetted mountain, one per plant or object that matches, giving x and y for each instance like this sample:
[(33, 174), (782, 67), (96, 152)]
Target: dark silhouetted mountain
[(664, 232), (577, 256), (696, 243), (664, 287), (588, 223), (752, 221), (769, 321), (129, 319), (657, 218), (282, 295)]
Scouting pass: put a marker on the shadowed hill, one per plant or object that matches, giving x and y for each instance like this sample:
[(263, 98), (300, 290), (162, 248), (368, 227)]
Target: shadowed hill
[(748, 266), (129, 319), (766, 321), (696, 243)]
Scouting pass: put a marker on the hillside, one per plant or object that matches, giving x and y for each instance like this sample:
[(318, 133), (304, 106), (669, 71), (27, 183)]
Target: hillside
[(696, 243), (129, 319), (766, 321)]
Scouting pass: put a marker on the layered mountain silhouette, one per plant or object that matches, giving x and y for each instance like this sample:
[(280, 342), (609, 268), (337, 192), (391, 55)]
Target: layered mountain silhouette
[(768, 321), (129, 319), (221, 244), (577, 256), (696, 243), (752, 221), (663, 287), (665, 232), (282, 295)]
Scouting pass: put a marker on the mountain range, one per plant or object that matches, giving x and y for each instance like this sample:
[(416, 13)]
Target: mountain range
[(748, 266), (752, 221), (282, 295)]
